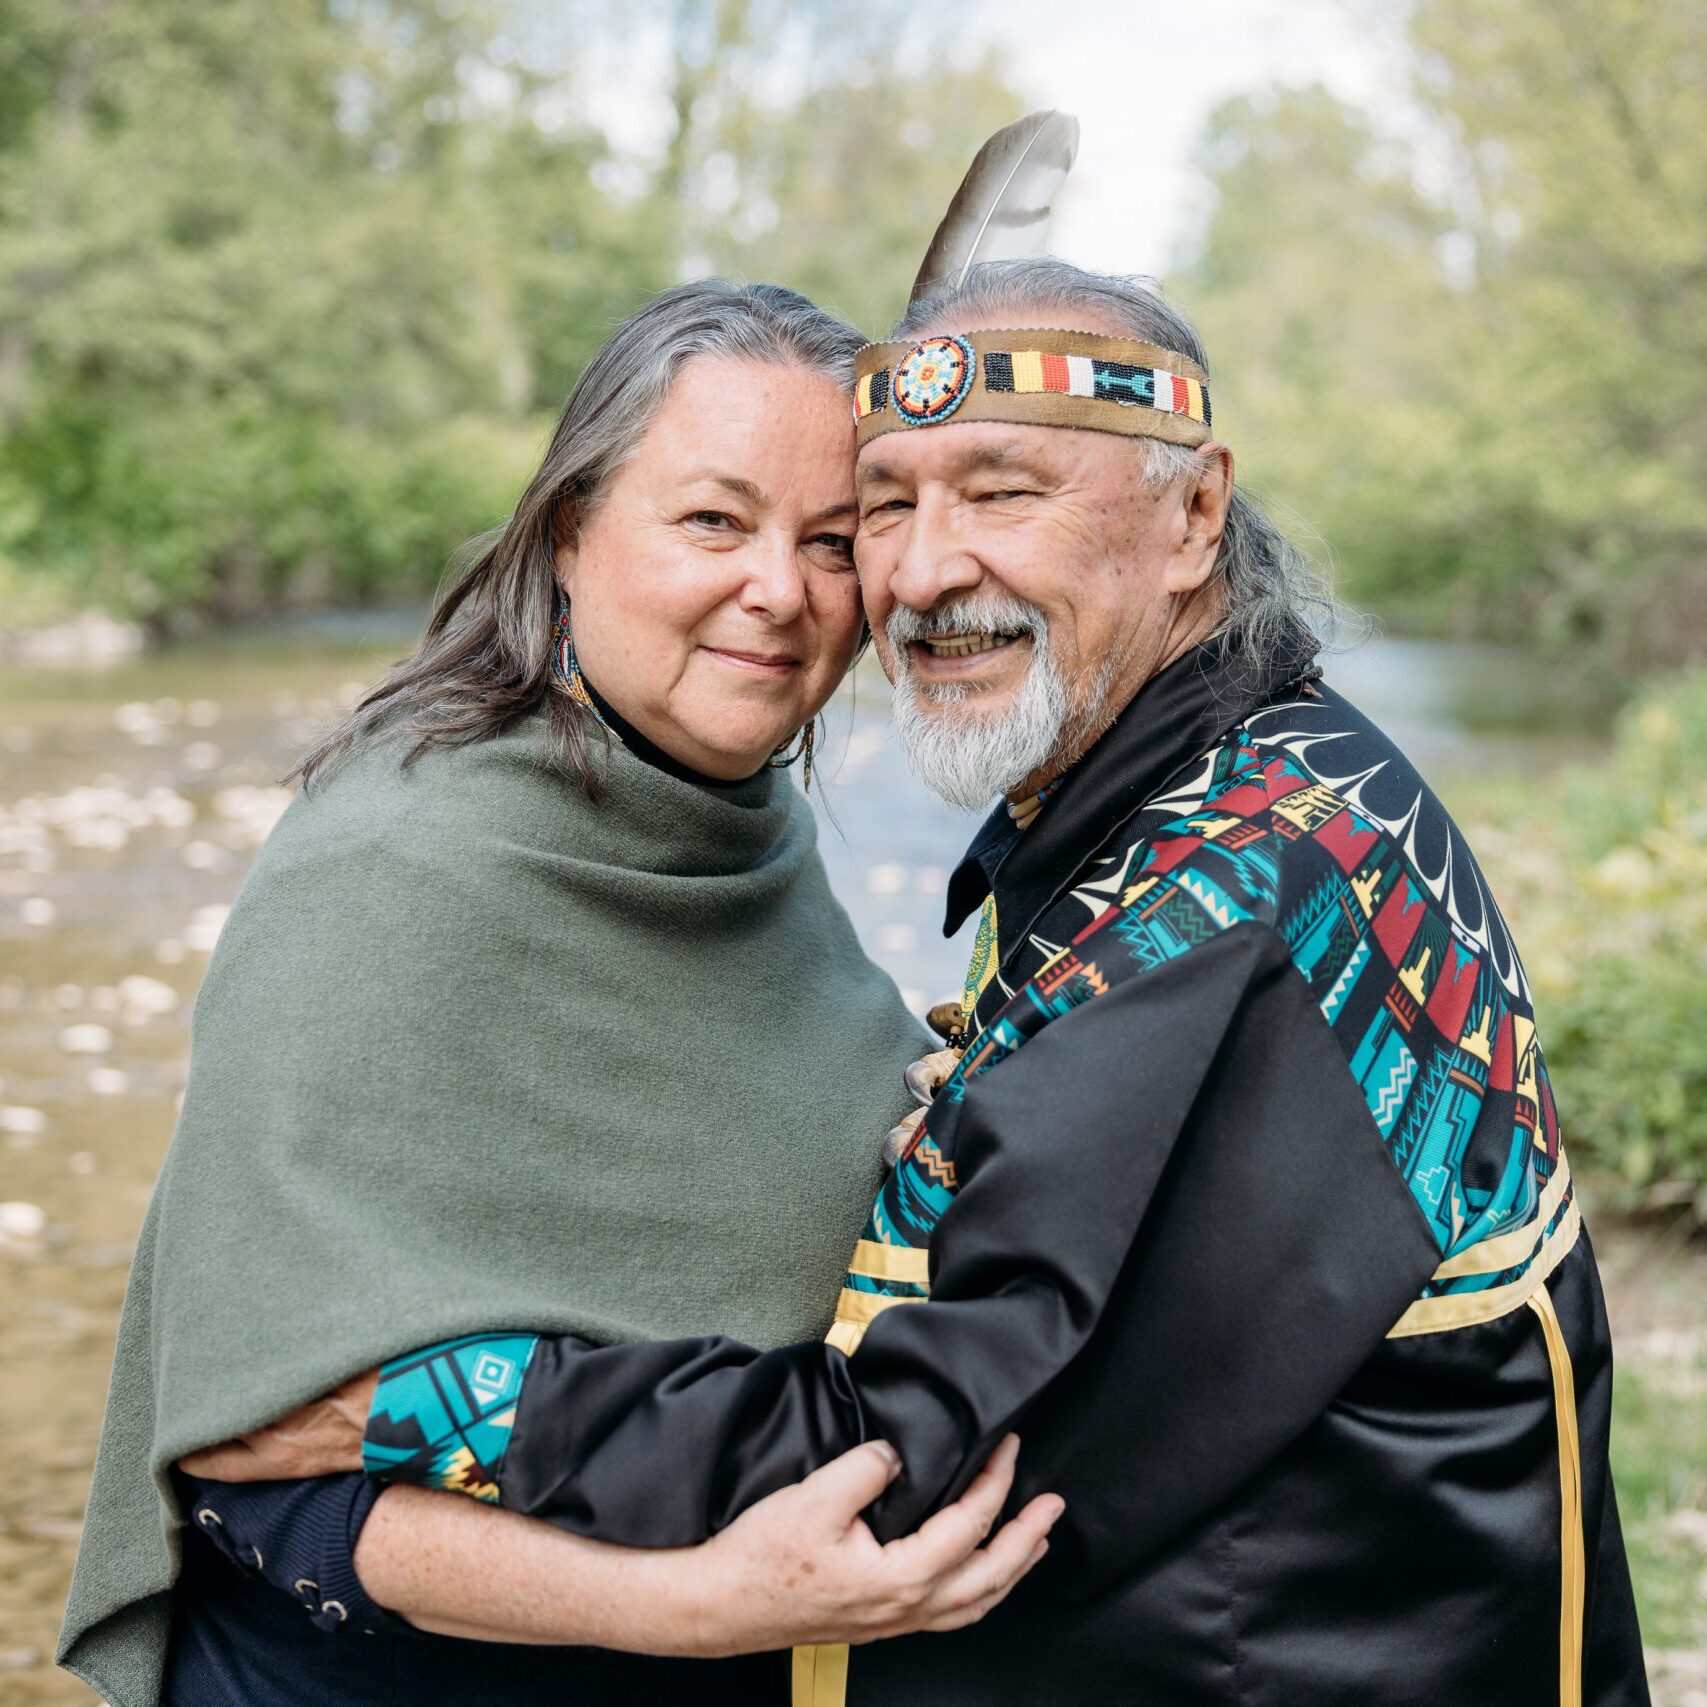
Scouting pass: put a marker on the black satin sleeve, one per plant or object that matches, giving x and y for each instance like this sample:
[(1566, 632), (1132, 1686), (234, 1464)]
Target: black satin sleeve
[(1065, 1152)]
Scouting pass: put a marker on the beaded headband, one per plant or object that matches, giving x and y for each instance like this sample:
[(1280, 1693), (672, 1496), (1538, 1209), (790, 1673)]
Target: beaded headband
[(1042, 378)]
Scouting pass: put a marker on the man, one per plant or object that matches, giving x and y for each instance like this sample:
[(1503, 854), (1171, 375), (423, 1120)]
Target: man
[(1244, 1199)]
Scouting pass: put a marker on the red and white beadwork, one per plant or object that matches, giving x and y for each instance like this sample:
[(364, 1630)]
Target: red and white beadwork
[(931, 381), (1024, 371)]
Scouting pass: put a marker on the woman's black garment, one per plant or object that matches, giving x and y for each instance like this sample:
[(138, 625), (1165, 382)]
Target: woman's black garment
[(243, 1638), (649, 752)]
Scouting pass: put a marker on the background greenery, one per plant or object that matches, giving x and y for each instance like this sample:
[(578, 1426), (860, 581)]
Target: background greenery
[(287, 287), (1472, 347), (1606, 867)]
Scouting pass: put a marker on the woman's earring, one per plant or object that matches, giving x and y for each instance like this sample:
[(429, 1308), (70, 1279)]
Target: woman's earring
[(565, 667), (803, 746)]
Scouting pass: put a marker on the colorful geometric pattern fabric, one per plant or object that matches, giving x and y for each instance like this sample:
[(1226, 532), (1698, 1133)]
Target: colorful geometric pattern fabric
[(931, 390), (985, 957), (1390, 926), (443, 1417), (1024, 371)]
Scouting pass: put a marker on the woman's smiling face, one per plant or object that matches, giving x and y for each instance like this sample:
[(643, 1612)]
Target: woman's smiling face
[(712, 591)]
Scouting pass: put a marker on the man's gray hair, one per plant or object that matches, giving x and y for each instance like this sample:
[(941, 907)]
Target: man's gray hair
[(1270, 594), (487, 656)]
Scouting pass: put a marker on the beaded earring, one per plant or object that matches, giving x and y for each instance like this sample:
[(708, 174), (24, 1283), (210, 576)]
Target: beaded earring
[(803, 746), (565, 667)]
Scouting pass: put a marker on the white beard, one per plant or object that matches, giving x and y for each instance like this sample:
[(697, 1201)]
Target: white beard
[(961, 752)]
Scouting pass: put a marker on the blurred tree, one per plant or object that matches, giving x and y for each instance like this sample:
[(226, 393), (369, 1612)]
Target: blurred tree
[(1583, 140), (1319, 294), (238, 276), (285, 283), (1490, 399), (820, 146)]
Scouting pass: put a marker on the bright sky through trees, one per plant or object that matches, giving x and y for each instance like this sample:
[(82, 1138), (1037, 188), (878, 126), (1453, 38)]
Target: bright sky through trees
[(1143, 77)]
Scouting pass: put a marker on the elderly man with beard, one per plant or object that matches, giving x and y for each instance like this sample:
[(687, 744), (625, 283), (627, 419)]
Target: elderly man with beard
[(1241, 1194)]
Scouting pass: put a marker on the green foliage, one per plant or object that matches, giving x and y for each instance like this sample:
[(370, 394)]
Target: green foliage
[(837, 190), (1659, 1446), (1608, 876), (1487, 397), (255, 307), (844, 199), (226, 511), (1627, 1035), (818, 144), (287, 286)]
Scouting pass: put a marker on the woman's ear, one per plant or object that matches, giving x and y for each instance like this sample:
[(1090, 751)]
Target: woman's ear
[(563, 568), (565, 552)]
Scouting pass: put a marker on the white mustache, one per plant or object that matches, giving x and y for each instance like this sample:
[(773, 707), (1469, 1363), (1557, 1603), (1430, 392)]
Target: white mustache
[(972, 613)]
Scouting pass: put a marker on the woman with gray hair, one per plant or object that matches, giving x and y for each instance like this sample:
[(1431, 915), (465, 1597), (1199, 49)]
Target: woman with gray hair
[(516, 1020)]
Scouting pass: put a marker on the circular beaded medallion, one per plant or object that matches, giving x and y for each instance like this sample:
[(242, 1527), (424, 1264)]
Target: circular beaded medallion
[(932, 380)]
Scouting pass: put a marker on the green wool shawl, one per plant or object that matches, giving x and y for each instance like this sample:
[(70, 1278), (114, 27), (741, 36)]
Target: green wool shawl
[(476, 1051)]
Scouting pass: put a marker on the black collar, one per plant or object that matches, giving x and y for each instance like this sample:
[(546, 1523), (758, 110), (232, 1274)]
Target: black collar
[(649, 752), (1176, 717)]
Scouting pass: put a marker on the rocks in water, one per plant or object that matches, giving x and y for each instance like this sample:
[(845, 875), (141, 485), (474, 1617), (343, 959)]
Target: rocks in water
[(22, 1223), (142, 998), (205, 925), (252, 811), (87, 1039)]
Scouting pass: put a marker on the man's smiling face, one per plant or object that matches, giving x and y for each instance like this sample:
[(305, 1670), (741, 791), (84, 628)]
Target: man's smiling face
[(981, 542)]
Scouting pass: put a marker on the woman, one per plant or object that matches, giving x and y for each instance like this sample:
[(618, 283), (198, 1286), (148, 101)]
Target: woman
[(537, 1008)]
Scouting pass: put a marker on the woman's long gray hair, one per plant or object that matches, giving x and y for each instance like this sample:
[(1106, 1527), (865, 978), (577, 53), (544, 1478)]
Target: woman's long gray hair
[(487, 655), (1271, 598)]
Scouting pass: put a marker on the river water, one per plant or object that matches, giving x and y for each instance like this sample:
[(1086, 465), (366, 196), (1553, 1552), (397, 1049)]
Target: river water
[(132, 798)]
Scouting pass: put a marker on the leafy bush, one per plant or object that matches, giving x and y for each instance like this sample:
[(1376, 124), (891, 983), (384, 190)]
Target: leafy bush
[(1397, 314), (1606, 877), (224, 512)]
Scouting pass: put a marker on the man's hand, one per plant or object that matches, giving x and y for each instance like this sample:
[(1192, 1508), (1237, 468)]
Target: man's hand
[(318, 1439), (801, 1567)]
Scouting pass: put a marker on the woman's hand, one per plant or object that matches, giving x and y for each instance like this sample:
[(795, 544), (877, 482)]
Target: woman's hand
[(320, 1438), (796, 1569), (801, 1567)]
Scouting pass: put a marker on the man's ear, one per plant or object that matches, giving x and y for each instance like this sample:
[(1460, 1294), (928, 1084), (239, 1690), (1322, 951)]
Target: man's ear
[(1206, 503)]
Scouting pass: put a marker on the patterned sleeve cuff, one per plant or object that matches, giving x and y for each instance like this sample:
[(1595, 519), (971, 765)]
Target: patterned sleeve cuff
[(443, 1417)]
